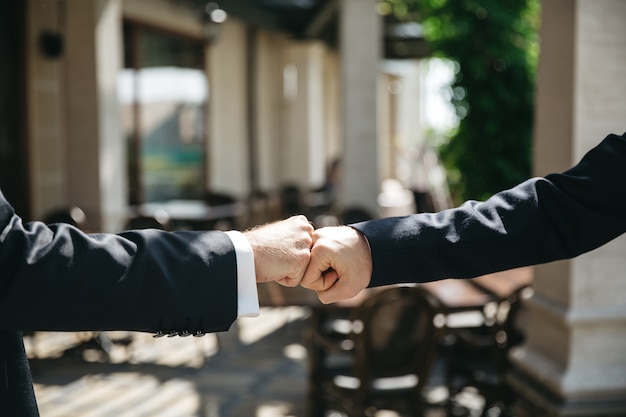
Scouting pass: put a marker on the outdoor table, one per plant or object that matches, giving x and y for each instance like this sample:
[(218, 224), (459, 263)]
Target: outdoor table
[(458, 295), (193, 214)]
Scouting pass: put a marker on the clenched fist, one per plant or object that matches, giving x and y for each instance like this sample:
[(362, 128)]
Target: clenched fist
[(341, 264), (281, 250)]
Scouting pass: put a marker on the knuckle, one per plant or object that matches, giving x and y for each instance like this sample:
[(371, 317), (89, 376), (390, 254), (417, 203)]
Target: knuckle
[(301, 218)]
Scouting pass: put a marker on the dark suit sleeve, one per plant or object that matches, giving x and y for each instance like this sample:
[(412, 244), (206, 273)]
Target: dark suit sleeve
[(58, 278), (541, 220)]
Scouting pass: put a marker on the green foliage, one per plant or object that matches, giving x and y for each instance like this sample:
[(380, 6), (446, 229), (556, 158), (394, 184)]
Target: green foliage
[(494, 43)]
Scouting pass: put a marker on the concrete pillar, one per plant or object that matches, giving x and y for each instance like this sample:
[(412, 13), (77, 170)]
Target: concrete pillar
[(95, 148), (302, 150), (360, 41), (228, 124), (269, 106), (574, 360), (333, 118)]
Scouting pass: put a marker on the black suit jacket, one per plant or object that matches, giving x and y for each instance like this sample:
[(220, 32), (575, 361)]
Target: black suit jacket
[(541, 220), (59, 278)]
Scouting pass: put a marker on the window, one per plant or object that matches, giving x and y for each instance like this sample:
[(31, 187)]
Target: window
[(163, 92)]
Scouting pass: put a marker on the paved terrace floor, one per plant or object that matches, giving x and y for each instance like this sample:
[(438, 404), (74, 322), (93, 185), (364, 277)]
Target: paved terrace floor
[(258, 369)]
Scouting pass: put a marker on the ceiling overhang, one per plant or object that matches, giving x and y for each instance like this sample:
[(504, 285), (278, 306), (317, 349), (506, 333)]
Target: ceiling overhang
[(319, 19)]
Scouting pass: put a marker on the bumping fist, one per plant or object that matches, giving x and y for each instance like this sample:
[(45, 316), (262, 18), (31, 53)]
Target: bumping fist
[(281, 250), (341, 264)]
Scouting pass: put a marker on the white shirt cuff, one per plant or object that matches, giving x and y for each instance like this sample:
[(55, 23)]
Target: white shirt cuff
[(247, 296)]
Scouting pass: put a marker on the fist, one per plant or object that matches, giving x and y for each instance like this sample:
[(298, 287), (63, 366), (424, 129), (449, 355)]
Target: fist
[(282, 250)]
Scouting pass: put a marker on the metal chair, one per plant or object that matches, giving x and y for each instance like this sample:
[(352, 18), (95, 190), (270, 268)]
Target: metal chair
[(479, 358), (383, 362)]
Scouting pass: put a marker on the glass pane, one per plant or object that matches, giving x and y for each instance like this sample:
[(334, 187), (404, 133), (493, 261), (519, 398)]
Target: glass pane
[(163, 104), (171, 113)]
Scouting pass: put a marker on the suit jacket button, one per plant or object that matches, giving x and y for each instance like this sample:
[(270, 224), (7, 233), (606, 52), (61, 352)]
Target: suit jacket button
[(198, 333), (184, 333), (159, 334), (172, 333)]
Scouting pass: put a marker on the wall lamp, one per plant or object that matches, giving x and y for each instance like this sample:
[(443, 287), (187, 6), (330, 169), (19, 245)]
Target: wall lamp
[(213, 18)]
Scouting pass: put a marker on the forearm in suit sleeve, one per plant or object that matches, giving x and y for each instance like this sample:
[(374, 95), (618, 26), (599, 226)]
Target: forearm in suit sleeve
[(541, 220), (58, 278)]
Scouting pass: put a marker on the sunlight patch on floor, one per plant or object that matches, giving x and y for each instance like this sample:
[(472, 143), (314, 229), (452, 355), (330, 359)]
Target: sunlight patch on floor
[(274, 410), (252, 329)]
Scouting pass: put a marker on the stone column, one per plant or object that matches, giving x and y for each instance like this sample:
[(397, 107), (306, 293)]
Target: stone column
[(227, 122), (574, 360), (95, 148), (360, 41), (302, 144)]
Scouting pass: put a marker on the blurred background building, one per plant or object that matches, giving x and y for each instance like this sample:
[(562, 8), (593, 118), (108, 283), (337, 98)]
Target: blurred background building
[(119, 103), (111, 104)]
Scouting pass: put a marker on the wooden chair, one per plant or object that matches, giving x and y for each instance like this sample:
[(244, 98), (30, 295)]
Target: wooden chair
[(479, 358), (385, 359), (355, 215), (160, 220), (291, 200), (215, 199), (71, 215)]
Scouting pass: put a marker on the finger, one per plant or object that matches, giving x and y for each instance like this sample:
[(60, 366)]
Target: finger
[(303, 237), (294, 279), (315, 236), (288, 282), (304, 223), (303, 261), (314, 278), (299, 252), (330, 278), (341, 289)]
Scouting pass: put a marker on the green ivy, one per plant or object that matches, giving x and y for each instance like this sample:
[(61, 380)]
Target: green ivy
[(495, 46)]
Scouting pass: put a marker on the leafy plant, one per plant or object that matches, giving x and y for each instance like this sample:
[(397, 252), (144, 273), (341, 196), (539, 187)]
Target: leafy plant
[(495, 46)]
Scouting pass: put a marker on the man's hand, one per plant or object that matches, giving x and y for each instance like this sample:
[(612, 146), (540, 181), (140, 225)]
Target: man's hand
[(341, 264), (281, 250)]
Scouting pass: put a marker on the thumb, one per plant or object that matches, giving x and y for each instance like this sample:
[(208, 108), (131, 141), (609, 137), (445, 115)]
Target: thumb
[(319, 275)]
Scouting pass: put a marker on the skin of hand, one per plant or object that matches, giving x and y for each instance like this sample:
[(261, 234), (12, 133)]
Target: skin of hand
[(341, 264), (281, 250)]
